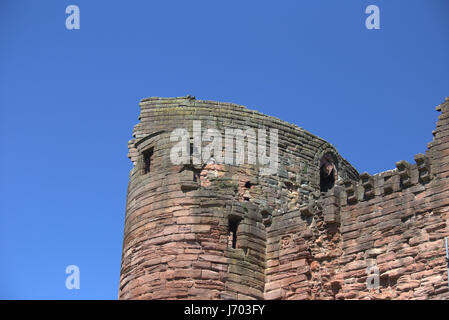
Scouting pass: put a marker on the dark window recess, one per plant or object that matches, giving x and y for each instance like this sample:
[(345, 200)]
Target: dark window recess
[(247, 188), (328, 173), (147, 157), (232, 233), (327, 180)]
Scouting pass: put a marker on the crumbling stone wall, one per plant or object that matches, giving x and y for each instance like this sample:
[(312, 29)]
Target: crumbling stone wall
[(291, 240)]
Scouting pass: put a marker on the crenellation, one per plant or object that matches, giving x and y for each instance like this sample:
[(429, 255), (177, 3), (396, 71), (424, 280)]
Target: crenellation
[(351, 191), (367, 182), (404, 173)]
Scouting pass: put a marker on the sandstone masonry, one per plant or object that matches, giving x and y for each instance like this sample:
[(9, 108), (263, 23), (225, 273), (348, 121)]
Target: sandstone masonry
[(219, 231)]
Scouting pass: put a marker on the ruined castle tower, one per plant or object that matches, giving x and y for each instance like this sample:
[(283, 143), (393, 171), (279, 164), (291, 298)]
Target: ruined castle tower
[(314, 228)]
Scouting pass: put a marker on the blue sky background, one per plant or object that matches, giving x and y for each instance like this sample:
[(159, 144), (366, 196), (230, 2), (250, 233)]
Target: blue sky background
[(69, 101)]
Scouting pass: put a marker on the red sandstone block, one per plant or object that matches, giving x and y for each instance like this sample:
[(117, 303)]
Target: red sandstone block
[(213, 258), (286, 282), (167, 275), (386, 257), (180, 211), (410, 284), (244, 297), (151, 262), (179, 284), (282, 275), (272, 263), (422, 274), (407, 251), (188, 220), (315, 266), (436, 226), (207, 274), (407, 261), (385, 295), (187, 257), (355, 287), (147, 296), (426, 255), (201, 294), (299, 296), (393, 264), (356, 265), (303, 269), (432, 279), (219, 267), (440, 290), (185, 236), (187, 273), (255, 292), (435, 263), (415, 267), (340, 296), (408, 295), (171, 229), (179, 264), (228, 296), (284, 267), (193, 250), (142, 289), (301, 281), (209, 284), (273, 295), (358, 248), (350, 295), (430, 246), (239, 288), (395, 273), (322, 255), (383, 267), (351, 235), (159, 240), (200, 228), (299, 263), (167, 258), (335, 253), (386, 240), (178, 293), (206, 245), (201, 264), (424, 291), (272, 285)]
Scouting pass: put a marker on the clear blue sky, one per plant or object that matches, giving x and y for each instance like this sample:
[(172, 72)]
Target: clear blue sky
[(69, 100)]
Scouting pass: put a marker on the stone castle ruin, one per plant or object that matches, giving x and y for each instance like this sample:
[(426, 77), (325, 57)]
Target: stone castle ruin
[(313, 229)]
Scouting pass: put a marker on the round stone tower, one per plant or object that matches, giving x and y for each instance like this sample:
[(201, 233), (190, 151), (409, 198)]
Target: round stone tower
[(219, 202)]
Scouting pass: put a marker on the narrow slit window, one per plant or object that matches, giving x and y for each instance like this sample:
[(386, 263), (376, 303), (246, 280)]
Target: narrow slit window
[(232, 234), (147, 158)]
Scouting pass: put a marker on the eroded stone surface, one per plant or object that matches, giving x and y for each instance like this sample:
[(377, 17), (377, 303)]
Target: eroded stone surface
[(292, 241)]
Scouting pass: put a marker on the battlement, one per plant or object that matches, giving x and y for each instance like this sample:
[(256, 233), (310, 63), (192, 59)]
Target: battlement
[(372, 187)]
